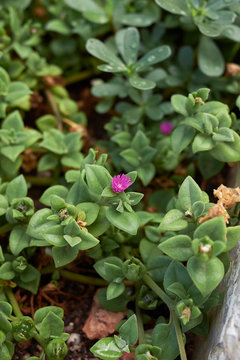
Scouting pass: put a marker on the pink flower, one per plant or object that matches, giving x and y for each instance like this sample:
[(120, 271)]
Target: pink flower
[(166, 127), (120, 183)]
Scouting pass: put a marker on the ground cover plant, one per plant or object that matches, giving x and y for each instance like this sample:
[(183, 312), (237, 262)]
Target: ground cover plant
[(119, 127)]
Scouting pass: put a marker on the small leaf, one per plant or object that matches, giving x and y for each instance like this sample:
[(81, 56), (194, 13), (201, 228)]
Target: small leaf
[(140, 83), (178, 247), (173, 221), (126, 221), (128, 43), (153, 57), (181, 137), (210, 59), (205, 275), (189, 193), (129, 330), (178, 7), (106, 349), (98, 49)]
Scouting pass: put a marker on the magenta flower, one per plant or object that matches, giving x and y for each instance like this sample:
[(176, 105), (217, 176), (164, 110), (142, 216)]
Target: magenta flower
[(120, 183), (166, 127)]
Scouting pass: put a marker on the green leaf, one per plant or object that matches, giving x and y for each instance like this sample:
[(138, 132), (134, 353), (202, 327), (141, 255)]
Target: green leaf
[(146, 173), (227, 152), (101, 224), (97, 179), (51, 325), (109, 268), (4, 81), (6, 271), (47, 162), (90, 10), (17, 188), (178, 7), (189, 193), (90, 209), (106, 349), (224, 134), (116, 305), (3, 205), (152, 57), (210, 59), (129, 330), (205, 275), (38, 223), (126, 221), (79, 192), (208, 165), (13, 121), (173, 221), (181, 137), (16, 91), (164, 336), (233, 235), (128, 43), (176, 273), (46, 122), (98, 49), (41, 313), (202, 142), (114, 290), (141, 83), (54, 141), (58, 26), (12, 152), (64, 255), (208, 228), (88, 240), (178, 247), (54, 236), (131, 156), (58, 190), (18, 240)]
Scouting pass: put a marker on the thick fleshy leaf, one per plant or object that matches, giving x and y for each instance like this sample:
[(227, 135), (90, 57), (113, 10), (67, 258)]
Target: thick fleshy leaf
[(210, 59), (106, 349), (173, 221), (140, 83), (227, 152), (205, 275), (126, 221), (153, 57), (128, 43), (189, 193), (98, 49), (178, 247), (178, 7)]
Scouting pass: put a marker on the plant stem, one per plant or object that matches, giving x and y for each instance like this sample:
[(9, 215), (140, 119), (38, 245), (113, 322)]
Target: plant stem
[(80, 76), (54, 107), (237, 176), (233, 52), (82, 278), (10, 295), (5, 228), (40, 181), (141, 335), (41, 341), (179, 336), (163, 296)]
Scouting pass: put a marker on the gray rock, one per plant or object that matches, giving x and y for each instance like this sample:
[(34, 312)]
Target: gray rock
[(223, 341)]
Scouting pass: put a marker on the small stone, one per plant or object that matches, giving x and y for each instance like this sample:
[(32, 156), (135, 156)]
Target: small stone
[(74, 338), (68, 328), (100, 322)]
